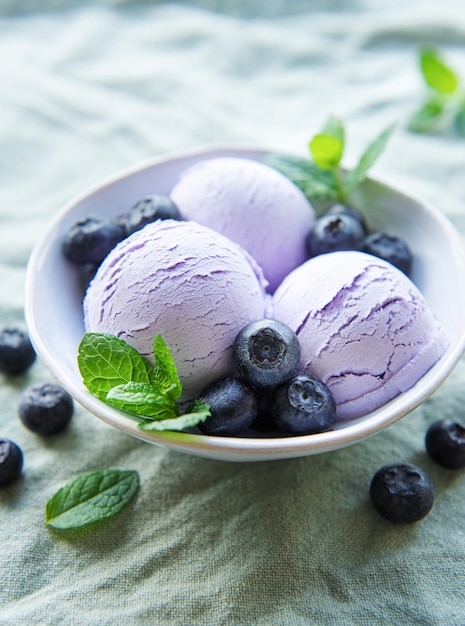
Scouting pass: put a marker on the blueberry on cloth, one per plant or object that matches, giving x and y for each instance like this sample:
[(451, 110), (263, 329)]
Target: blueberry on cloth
[(303, 406), (148, 210), (233, 407), (389, 248), (45, 408), (445, 443), (11, 461), (345, 209), (402, 493), (90, 239), (16, 351), (332, 233), (266, 352)]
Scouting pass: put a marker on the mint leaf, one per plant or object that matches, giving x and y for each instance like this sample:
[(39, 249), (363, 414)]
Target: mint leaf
[(311, 180), (91, 497), (117, 374), (166, 373), (335, 128), (326, 150), (437, 74), (198, 412), (105, 361), (427, 117), (368, 158), (142, 399), (446, 105), (323, 178)]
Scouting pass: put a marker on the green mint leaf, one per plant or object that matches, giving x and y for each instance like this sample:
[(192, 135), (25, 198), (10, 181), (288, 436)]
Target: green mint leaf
[(327, 147), (311, 180), (437, 74), (334, 127), (166, 373), (427, 117), (91, 497), (143, 399), (106, 362), (459, 120), (198, 412), (368, 158), (326, 151)]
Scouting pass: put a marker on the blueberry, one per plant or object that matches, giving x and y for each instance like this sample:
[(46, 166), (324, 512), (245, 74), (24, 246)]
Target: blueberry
[(344, 209), (331, 233), (87, 273), (264, 421), (303, 406), (89, 240), (445, 443), (389, 248), (266, 353), (233, 407), (11, 461), (45, 408), (148, 210), (402, 493), (16, 351)]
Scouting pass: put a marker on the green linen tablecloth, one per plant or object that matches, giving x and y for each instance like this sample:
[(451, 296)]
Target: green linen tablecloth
[(88, 88)]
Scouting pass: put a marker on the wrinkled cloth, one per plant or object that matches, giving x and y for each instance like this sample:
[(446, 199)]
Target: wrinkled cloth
[(88, 88)]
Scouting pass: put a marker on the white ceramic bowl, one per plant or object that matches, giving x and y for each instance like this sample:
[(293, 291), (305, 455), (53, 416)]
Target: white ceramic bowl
[(55, 320)]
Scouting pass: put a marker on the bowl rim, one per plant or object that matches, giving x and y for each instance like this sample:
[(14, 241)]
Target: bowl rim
[(237, 448)]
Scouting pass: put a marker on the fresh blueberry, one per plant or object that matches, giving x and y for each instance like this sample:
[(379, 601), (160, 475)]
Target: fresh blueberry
[(45, 408), (266, 352), (445, 443), (148, 210), (303, 406), (89, 240), (264, 421), (402, 493), (389, 248), (16, 351), (331, 233), (11, 461), (344, 209), (233, 407), (87, 273)]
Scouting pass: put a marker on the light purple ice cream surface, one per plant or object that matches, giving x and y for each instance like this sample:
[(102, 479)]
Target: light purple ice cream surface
[(190, 284), (251, 204), (364, 328)]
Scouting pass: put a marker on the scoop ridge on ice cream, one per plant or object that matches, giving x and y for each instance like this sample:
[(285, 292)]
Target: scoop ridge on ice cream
[(251, 204), (186, 282), (365, 329)]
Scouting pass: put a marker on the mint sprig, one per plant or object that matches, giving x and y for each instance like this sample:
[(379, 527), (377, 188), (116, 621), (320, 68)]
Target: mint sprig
[(327, 147), (117, 374), (105, 361), (90, 498), (322, 177), (197, 412), (165, 374), (445, 101), (142, 399)]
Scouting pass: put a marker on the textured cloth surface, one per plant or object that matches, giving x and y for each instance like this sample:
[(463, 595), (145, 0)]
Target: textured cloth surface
[(89, 88)]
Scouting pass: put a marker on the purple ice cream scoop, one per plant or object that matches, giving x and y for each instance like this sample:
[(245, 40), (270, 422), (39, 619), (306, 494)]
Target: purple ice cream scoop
[(364, 328), (251, 204), (186, 282)]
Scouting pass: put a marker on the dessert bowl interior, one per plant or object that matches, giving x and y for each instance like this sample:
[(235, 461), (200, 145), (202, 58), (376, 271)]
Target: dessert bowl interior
[(55, 319)]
